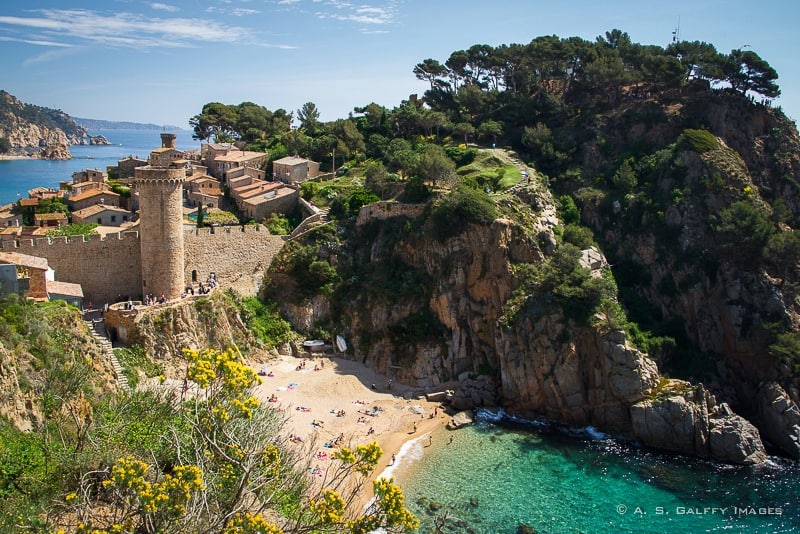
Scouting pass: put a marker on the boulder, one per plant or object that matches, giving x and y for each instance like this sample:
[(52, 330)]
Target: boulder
[(687, 419), (779, 418), (460, 419)]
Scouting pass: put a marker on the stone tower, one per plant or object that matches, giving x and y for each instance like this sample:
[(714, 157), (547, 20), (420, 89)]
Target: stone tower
[(161, 228), (168, 140)]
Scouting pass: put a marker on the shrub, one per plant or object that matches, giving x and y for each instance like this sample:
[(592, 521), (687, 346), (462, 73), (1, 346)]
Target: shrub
[(463, 205), (700, 141)]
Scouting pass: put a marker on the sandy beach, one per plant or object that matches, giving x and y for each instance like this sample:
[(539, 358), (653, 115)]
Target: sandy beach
[(314, 399)]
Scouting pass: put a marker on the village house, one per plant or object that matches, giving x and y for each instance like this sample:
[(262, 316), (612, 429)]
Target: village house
[(49, 220), (31, 277), (124, 169), (102, 215), (43, 192), (9, 216), (294, 169), (221, 158), (257, 199), (203, 190), (91, 198), (89, 175)]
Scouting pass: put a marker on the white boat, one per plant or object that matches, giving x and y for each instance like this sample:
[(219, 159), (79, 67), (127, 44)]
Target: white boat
[(341, 344)]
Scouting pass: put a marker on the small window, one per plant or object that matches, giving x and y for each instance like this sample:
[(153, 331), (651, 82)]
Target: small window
[(99, 220), (113, 218)]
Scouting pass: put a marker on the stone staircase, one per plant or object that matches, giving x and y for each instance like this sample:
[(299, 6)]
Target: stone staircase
[(98, 329)]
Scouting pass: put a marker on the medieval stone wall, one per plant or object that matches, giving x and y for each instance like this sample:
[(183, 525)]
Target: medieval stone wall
[(110, 267), (238, 255), (105, 267)]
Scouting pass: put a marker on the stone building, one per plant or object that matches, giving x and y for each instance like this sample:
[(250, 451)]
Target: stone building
[(89, 175), (102, 215), (294, 169), (92, 197)]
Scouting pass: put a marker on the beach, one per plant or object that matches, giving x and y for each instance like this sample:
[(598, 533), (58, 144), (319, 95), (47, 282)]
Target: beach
[(313, 393)]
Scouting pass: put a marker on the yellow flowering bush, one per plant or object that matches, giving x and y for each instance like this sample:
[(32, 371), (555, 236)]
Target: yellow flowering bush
[(329, 507), (248, 523)]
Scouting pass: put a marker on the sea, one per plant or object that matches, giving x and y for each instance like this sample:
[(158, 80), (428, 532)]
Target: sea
[(18, 176), (500, 476)]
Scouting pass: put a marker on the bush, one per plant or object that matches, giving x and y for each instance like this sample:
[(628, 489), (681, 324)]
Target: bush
[(463, 205), (700, 141)]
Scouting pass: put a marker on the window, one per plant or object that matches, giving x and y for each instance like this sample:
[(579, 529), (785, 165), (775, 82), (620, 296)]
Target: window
[(99, 220), (113, 218)]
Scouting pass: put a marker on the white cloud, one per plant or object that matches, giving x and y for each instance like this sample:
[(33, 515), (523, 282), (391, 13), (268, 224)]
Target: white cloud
[(242, 12), (165, 7), (35, 42), (360, 14), (126, 29)]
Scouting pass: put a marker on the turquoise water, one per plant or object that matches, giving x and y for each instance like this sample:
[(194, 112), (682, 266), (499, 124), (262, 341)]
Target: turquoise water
[(492, 479), (18, 176)]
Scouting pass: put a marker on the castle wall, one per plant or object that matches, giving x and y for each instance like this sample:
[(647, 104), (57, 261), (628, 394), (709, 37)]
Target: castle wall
[(105, 267), (238, 255)]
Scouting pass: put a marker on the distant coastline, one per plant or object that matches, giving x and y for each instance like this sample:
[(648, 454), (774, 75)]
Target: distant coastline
[(100, 124)]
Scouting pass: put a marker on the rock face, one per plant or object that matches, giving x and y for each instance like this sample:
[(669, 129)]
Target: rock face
[(191, 323), (432, 313), (779, 418), (40, 133), (693, 423)]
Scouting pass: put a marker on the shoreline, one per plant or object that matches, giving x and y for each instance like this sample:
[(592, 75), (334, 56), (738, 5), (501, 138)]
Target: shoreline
[(313, 399)]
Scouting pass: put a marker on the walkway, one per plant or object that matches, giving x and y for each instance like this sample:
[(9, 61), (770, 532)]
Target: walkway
[(98, 328)]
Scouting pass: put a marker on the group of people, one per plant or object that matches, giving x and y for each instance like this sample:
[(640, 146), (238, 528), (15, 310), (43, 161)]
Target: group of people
[(151, 299)]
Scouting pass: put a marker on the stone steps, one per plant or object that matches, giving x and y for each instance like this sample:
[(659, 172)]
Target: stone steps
[(98, 329)]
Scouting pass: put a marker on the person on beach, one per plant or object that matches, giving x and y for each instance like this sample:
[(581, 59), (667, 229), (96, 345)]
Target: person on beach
[(393, 459)]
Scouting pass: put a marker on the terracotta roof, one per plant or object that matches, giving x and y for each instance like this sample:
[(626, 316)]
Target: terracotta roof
[(67, 289), (97, 208), (28, 202), (25, 260), (58, 216), (240, 155), (92, 193)]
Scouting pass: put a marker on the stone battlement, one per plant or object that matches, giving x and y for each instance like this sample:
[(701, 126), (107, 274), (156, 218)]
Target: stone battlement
[(62, 241), (230, 229)]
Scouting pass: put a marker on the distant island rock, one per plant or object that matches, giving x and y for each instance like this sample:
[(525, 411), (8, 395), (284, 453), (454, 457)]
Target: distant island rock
[(99, 124), (35, 132)]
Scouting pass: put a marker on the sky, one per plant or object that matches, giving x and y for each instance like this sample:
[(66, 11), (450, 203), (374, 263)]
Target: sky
[(161, 61)]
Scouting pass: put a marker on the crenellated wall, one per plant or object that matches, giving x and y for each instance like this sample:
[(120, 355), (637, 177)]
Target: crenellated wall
[(110, 267), (238, 255), (106, 267)]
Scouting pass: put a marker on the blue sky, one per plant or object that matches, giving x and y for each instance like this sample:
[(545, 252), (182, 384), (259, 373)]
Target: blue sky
[(160, 61)]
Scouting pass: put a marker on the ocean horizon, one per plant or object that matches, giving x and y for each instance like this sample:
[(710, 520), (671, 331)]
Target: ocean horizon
[(17, 176)]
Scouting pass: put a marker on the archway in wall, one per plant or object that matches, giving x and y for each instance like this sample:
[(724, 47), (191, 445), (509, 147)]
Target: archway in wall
[(194, 276)]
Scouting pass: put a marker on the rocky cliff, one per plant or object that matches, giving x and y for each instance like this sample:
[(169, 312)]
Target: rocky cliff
[(706, 239), (433, 313), (164, 331), (36, 132)]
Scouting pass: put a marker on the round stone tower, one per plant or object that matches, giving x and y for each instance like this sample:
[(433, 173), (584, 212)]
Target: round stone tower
[(161, 229), (168, 140)]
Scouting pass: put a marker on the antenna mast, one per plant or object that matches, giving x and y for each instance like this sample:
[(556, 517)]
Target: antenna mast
[(676, 33)]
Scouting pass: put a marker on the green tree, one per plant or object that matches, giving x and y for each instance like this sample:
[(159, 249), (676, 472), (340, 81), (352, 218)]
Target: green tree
[(434, 166), (490, 128), (743, 231), (746, 71), (376, 178), (200, 216), (465, 130), (308, 116)]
